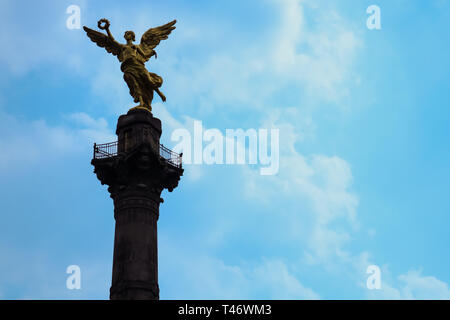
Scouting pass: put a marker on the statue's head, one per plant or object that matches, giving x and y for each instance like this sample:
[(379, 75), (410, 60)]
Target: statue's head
[(129, 35)]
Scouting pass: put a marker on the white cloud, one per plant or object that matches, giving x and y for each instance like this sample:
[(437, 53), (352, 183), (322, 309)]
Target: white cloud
[(40, 276), (92, 130), (247, 73), (320, 59), (417, 286), (320, 187), (325, 62), (200, 276), (107, 83), (276, 280), (411, 286), (324, 184), (28, 142), (43, 38)]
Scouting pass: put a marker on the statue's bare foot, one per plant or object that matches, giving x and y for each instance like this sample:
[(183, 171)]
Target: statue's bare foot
[(142, 105)]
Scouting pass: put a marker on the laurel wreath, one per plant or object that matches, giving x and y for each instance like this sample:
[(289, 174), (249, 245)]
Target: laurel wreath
[(105, 24)]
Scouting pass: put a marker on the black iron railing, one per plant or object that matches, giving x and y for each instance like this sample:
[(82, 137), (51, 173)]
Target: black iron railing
[(170, 156), (107, 150)]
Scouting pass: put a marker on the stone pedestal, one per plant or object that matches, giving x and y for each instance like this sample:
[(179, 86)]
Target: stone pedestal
[(136, 174)]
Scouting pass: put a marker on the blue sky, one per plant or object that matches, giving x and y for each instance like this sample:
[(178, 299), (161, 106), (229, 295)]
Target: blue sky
[(364, 172)]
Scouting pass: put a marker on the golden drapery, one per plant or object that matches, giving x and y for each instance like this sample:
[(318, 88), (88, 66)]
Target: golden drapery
[(140, 81)]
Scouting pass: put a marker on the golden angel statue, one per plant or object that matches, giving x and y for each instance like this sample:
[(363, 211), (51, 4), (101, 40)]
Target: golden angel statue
[(141, 82)]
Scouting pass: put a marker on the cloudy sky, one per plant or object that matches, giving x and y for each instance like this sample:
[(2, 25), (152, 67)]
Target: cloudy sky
[(363, 122)]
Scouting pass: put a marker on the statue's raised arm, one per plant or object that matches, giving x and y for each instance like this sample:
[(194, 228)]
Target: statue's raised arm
[(106, 41)]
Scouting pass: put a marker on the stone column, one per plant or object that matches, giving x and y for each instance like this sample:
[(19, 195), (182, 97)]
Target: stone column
[(136, 175)]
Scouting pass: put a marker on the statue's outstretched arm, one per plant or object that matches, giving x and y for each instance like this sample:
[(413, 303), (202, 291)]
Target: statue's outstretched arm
[(110, 35), (106, 27)]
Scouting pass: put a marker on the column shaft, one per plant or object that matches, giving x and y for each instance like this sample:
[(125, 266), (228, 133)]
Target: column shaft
[(135, 266)]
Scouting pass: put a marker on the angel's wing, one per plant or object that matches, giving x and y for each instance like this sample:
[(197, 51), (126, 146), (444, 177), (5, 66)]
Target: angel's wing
[(102, 40), (152, 37)]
